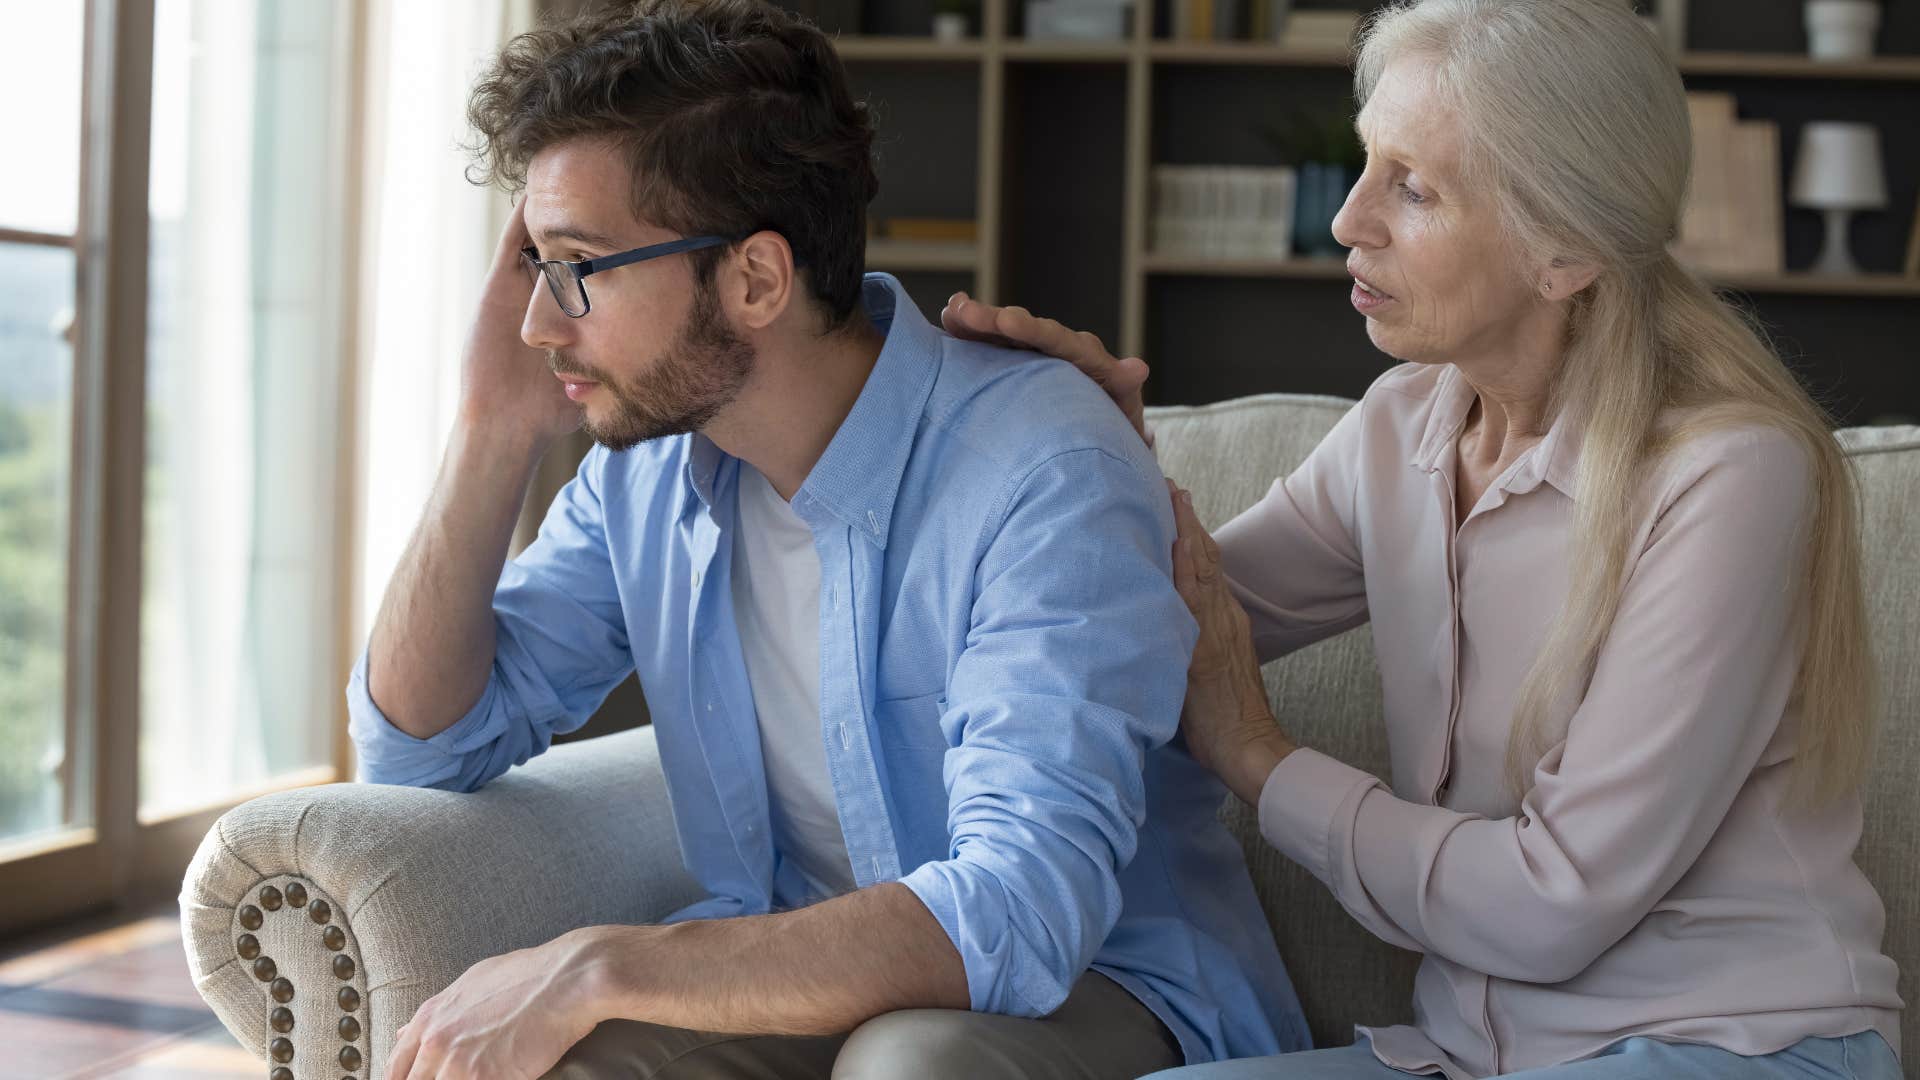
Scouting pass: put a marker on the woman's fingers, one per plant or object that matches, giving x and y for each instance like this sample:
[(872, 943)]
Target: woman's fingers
[(1206, 554), (1020, 328), (970, 320)]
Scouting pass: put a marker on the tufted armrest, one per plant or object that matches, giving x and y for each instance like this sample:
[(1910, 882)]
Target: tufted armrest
[(317, 920)]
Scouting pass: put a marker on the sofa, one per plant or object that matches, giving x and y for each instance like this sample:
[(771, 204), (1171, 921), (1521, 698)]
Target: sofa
[(317, 920)]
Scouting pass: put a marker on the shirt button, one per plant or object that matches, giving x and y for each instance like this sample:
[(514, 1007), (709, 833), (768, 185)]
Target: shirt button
[(696, 579), (709, 706), (846, 738)]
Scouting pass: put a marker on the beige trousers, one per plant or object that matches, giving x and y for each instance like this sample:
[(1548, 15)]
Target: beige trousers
[(1100, 1033)]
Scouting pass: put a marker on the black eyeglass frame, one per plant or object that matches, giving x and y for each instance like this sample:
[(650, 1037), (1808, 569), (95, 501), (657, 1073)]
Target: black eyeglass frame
[(582, 269)]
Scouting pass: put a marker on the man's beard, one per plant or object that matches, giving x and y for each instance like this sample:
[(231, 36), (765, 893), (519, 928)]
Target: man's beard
[(700, 373)]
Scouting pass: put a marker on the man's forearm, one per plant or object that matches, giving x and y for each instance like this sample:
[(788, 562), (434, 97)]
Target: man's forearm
[(432, 644), (819, 970)]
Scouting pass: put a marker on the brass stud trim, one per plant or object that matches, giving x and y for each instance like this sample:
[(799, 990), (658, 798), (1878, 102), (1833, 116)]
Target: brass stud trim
[(349, 1058), (320, 911), (349, 999), (251, 918), (343, 966), (281, 1020), (349, 1029), (248, 946), (270, 898), (281, 990), (297, 894), (264, 970), (281, 1050), (334, 938)]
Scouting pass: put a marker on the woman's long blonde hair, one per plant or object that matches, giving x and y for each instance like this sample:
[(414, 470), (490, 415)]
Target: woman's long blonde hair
[(1577, 130)]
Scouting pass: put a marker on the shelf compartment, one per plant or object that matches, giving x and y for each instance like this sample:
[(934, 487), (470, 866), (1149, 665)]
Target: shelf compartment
[(906, 48), (1216, 266), (1797, 66), (1249, 53), (890, 255), (1069, 52)]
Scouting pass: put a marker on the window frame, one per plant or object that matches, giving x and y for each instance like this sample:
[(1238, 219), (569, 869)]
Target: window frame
[(121, 859)]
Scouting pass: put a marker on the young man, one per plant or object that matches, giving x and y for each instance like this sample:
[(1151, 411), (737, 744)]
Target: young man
[(900, 604)]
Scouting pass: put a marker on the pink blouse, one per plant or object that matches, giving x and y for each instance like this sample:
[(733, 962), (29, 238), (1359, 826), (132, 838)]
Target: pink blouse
[(1653, 881)]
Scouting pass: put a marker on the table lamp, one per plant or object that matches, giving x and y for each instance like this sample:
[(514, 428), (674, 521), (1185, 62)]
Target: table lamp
[(1838, 170)]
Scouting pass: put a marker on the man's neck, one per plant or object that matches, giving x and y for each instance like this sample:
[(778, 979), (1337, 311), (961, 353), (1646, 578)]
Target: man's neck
[(801, 391)]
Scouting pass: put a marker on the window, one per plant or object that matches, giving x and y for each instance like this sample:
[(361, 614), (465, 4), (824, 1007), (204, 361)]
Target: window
[(173, 350)]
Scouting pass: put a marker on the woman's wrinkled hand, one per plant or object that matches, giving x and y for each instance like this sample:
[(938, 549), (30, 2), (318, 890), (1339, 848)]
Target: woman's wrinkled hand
[(1228, 725), (1018, 328)]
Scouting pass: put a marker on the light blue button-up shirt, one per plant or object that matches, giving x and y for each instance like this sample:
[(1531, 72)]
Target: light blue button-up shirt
[(1002, 662)]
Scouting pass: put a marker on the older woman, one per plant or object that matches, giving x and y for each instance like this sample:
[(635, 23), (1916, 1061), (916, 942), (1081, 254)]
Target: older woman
[(1607, 547)]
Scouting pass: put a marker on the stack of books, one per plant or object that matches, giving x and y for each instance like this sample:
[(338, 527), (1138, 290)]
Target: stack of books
[(1733, 220), (1222, 211), (1262, 20), (1318, 31)]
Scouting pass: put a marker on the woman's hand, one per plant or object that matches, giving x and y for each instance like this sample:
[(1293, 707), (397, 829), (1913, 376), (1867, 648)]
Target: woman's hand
[(1018, 328), (1227, 723)]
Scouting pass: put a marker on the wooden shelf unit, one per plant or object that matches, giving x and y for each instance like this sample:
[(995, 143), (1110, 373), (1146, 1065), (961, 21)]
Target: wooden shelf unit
[(1793, 283), (891, 255), (1017, 78)]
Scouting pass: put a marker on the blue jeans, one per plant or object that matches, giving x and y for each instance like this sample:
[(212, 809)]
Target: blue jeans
[(1865, 1056)]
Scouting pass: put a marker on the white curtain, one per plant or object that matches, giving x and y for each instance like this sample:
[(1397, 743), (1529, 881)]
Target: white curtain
[(241, 395), (429, 238)]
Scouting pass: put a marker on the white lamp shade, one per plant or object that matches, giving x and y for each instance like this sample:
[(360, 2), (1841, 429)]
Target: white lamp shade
[(1839, 168)]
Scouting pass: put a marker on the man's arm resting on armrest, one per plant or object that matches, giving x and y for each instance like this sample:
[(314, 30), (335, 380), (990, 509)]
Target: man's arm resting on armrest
[(819, 970)]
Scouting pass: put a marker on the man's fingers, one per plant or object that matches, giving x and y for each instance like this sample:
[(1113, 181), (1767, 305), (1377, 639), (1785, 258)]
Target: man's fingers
[(514, 236), (405, 1049)]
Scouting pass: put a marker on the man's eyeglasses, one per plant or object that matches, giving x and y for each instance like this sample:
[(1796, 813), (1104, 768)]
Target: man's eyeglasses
[(568, 280)]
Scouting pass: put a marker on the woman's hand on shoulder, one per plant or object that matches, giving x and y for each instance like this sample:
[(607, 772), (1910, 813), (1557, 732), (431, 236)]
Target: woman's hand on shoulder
[(1018, 328), (1228, 724)]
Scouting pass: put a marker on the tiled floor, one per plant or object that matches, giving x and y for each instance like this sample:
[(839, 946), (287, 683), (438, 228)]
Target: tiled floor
[(111, 998)]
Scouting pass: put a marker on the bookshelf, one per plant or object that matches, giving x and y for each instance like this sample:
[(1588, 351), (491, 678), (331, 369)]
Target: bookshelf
[(1058, 140)]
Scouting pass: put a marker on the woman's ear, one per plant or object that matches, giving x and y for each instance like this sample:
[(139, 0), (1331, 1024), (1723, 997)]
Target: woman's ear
[(1563, 278), (762, 280)]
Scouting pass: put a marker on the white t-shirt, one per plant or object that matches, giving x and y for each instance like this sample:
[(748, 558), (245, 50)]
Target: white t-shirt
[(776, 602)]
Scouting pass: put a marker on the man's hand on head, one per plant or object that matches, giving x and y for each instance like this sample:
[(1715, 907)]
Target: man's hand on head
[(506, 385)]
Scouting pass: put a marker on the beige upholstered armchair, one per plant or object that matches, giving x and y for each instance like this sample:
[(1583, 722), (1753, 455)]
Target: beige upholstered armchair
[(318, 920)]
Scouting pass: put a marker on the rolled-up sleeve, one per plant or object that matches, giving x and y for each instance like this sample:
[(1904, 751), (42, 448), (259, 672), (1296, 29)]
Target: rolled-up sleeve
[(560, 648), (1689, 690), (1074, 668)]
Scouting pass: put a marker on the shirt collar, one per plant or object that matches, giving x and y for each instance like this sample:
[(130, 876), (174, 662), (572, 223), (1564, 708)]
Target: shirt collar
[(1555, 459), (857, 479)]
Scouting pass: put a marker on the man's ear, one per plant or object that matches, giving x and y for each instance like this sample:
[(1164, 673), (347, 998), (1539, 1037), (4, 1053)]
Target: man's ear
[(760, 280)]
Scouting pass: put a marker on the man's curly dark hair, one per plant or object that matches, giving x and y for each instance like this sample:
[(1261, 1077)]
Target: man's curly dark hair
[(734, 116)]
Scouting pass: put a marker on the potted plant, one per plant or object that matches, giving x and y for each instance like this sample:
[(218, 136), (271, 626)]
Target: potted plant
[(1327, 158), (1842, 29), (953, 19)]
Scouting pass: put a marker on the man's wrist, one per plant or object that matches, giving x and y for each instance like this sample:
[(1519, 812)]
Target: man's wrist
[(477, 428), (615, 960)]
